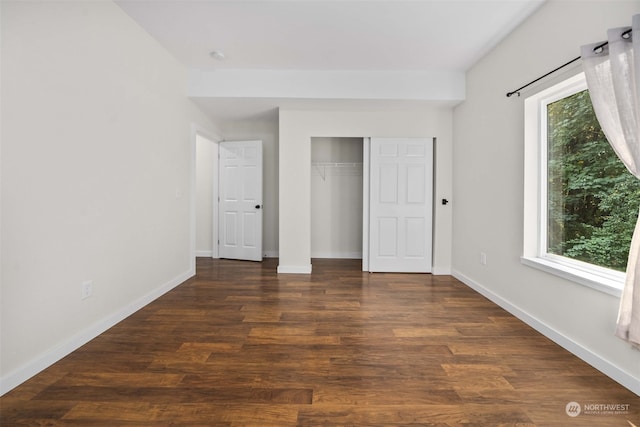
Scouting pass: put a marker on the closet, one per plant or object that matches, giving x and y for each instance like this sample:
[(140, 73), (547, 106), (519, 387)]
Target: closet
[(336, 197)]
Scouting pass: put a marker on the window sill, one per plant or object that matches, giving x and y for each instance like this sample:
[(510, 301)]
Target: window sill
[(600, 283)]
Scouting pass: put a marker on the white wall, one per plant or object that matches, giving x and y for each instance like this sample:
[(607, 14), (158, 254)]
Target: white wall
[(336, 198), (297, 127), (265, 130), (429, 85), (96, 176), (488, 185)]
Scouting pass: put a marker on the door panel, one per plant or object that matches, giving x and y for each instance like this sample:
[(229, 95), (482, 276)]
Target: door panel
[(388, 237), (400, 234), (241, 200), (414, 247), (388, 184), (249, 228), (230, 237), (416, 184)]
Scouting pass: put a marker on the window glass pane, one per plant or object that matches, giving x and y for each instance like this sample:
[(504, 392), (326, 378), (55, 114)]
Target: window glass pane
[(593, 200)]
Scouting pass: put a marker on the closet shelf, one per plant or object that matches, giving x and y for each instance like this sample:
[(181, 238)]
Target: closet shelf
[(322, 167)]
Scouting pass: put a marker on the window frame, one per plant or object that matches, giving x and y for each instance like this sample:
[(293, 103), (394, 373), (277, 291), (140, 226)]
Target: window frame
[(535, 197)]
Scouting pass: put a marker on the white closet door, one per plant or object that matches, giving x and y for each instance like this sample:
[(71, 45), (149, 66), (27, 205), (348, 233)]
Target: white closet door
[(401, 194), (240, 217)]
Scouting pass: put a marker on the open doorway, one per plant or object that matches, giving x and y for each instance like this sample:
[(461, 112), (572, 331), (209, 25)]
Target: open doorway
[(206, 191), (336, 197), (227, 200)]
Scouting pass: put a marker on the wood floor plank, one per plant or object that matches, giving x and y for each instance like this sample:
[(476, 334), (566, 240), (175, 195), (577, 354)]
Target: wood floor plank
[(240, 345), (114, 379), (383, 415)]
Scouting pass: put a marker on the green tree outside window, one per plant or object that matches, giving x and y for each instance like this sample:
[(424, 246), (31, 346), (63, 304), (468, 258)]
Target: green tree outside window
[(592, 199)]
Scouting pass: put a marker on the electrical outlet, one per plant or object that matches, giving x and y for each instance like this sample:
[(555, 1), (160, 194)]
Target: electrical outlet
[(86, 289), (483, 258)]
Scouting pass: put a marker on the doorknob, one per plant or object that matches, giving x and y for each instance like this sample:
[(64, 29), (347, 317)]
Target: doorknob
[(258, 206)]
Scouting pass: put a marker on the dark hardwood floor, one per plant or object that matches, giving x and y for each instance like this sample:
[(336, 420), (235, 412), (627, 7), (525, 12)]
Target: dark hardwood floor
[(239, 345)]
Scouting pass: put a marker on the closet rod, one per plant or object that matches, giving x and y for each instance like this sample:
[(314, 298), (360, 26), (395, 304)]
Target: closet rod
[(625, 35)]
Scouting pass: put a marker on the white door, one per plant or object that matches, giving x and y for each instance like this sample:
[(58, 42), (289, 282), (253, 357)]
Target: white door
[(400, 216), (240, 218)]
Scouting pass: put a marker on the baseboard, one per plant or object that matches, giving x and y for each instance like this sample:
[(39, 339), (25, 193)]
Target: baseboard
[(51, 356), (207, 254), (603, 365), (271, 254), (294, 269), (337, 255), (439, 271)]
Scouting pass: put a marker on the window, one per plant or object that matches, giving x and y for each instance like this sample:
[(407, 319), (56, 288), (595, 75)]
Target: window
[(580, 201)]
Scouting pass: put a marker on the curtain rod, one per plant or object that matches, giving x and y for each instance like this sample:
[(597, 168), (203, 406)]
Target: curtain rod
[(597, 49)]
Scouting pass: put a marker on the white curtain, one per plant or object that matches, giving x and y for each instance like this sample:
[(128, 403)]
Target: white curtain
[(613, 74)]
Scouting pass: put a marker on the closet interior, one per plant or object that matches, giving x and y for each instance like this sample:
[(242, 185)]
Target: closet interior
[(336, 197)]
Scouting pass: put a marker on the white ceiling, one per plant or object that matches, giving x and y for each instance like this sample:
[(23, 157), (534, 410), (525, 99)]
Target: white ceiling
[(365, 35)]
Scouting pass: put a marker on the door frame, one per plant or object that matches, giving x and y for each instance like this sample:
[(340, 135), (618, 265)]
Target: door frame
[(366, 185), (215, 139), (218, 217), (366, 167)]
